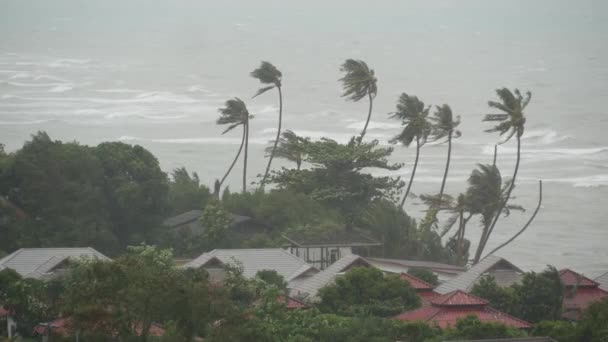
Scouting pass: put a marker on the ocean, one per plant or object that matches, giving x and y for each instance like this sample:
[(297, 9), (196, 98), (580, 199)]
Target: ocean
[(155, 72)]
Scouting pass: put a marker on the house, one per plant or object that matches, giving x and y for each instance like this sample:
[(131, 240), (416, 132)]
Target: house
[(580, 292), (423, 289), (517, 339), (504, 272), (252, 260), (323, 248), (293, 303), (603, 281), (190, 221), (447, 309), (44, 263), (309, 287), (444, 272)]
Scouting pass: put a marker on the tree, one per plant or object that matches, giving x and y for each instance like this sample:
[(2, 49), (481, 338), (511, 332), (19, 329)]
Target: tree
[(471, 328), (424, 274), (501, 298), (337, 180), (511, 122), (414, 117), (562, 331), (290, 147), (185, 192), (216, 222), (444, 127), (593, 325), (358, 82), (235, 114), (271, 277), (269, 75), (366, 290)]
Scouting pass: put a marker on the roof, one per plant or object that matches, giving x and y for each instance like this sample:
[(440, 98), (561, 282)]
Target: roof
[(193, 215), (446, 310), (583, 297), (400, 265), (504, 272), (37, 262), (253, 260), (603, 281), (309, 287), (3, 311), (571, 278), (329, 238), (518, 339), (293, 303), (415, 282)]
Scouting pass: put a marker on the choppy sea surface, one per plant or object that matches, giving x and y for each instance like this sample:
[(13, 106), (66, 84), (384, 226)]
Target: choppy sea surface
[(154, 73)]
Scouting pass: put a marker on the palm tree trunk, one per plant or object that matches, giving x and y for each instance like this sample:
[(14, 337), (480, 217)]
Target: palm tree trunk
[(276, 140), (245, 156), (447, 166), (369, 116), (486, 236), (540, 201), (233, 162), (409, 185)]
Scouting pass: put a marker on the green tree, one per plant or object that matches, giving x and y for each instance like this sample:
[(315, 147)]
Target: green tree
[(562, 331), (414, 117), (593, 325), (368, 291), (358, 82), (186, 192), (424, 274), (500, 298), (235, 114), (444, 127), (511, 122), (271, 277), (471, 328), (290, 147), (216, 222), (269, 75), (539, 296)]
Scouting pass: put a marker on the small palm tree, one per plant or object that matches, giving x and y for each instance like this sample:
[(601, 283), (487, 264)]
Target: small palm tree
[(235, 114), (444, 127), (271, 76), (511, 122), (358, 82), (290, 147), (414, 117)]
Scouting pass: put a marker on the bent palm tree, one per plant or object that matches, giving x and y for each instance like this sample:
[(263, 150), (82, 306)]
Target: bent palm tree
[(269, 74), (511, 122), (235, 114), (486, 196), (290, 147), (414, 117), (358, 82), (444, 127)]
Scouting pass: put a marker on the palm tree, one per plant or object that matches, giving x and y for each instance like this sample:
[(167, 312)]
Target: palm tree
[(290, 147), (444, 127), (358, 82), (414, 117), (235, 114), (486, 196), (511, 122), (271, 76)]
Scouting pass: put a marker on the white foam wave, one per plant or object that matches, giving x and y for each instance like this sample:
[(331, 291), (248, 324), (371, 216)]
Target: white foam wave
[(582, 182), (265, 110), (119, 90), (69, 62), (374, 125), (197, 88), (196, 141), (150, 97), (32, 85), (543, 136), (30, 122), (489, 150), (61, 88)]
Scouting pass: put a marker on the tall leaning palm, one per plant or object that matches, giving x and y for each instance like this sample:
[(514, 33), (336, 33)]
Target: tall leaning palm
[(291, 147), (414, 117), (358, 82), (269, 75), (444, 127), (235, 114), (510, 122)]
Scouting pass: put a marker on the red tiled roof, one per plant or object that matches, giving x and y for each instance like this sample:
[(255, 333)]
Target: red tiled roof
[(3, 311), (448, 316), (416, 282), (458, 298), (571, 278), (583, 297), (293, 303)]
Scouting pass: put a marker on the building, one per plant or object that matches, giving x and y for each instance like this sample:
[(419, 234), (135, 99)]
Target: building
[(44, 263), (252, 260), (447, 309), (321, 249), (504, 272), (444, 272), (603, 281), (580, 292), (189, 222), (424, 290), (308, 288)]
